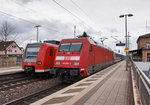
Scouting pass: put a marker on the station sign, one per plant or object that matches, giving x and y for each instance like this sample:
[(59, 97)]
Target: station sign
[(120, 44)]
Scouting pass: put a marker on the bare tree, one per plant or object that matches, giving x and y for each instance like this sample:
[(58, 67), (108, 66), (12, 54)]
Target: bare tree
[(6, 30)]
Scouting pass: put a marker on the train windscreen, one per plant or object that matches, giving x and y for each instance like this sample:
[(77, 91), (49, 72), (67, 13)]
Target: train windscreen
[(75, 46), (64, 47), (31, 52)]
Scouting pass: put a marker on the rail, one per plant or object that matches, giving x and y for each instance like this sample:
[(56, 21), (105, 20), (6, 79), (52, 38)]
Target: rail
[(142, 83)]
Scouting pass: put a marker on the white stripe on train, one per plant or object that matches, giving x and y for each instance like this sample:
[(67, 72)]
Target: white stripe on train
[(68, 58)]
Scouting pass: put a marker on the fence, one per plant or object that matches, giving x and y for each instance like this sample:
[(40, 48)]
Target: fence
[(142, 83), (10, 61)]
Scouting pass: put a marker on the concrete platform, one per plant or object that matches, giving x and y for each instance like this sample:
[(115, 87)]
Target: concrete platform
[(112, 86), (10, 70)]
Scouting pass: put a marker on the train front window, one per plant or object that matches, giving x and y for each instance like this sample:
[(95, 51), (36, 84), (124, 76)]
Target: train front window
[(64, 47), (76, 46), (31, 53)]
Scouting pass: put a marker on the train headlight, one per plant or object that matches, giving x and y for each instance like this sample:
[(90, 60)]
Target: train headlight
[(38, 63), (82, 69), (57, 63), (76, 63)]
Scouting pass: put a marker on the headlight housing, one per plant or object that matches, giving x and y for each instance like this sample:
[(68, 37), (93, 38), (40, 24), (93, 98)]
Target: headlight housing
[(76, 63), (57, 63), (39, 63)]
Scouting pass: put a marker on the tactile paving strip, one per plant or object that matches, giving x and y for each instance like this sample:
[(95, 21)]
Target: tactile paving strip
[(57, 100), (64, 95), (74, 90)]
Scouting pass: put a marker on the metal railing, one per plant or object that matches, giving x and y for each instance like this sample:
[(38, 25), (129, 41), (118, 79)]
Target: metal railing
[(142, 83)]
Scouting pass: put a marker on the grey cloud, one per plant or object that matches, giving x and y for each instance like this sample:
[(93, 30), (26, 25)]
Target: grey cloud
[(91, 31), (111, 30), (23, 1), (53, 29)]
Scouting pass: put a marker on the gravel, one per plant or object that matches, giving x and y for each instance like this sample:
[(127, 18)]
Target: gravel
[(17, 92)]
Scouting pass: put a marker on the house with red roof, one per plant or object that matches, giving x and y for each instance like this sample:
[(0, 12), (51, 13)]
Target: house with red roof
[(11, 51)]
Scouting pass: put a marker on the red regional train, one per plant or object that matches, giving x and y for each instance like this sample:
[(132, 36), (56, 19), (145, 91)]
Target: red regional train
[(39, 57), (81, 57)]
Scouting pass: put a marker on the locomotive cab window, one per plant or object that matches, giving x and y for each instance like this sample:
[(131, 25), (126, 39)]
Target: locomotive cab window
[(64, 47), (76, 46), (51, 52)]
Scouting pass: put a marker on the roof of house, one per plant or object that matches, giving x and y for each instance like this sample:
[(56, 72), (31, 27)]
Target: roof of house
[(144, 36), (4, 45)]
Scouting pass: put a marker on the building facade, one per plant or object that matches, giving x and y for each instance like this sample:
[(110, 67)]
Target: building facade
[(143, 43), (143, 51), (10, 53)]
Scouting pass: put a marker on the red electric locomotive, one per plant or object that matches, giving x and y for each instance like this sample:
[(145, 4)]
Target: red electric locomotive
[(81, 57), (39, 57)]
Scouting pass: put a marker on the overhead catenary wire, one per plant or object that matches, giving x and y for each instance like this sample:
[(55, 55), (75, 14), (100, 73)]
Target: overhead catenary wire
[(38, 13), (71, 13), (23, 6), (80, 9), (85, 24), (28, 21), (18, 18), (30, 9)]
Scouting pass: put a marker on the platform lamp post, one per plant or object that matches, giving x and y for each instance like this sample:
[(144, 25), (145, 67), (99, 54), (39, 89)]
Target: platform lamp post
[(122, 16), (37, 30)]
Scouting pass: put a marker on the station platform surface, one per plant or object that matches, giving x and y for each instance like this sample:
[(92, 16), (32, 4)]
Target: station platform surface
[(9, 70), (111, 86)]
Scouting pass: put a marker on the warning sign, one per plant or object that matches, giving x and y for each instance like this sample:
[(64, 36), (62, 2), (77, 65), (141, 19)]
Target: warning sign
[(126, 49)]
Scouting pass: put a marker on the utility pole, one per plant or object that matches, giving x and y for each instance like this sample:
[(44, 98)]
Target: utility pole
[(146, 26), (30, 40), (74, 31), (128, 40)]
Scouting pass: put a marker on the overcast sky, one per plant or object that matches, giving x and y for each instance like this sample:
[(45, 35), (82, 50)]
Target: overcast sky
[(99, 18)]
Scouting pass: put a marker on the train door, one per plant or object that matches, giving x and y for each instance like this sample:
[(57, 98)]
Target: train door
[(92, 57), (53, 51), (52, 56)]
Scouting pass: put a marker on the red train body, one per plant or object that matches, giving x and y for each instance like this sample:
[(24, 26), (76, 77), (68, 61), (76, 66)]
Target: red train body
[(39, 57), (81, 56)]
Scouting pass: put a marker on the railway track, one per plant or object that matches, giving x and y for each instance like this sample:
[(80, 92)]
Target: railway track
[(12, 76), (4, 86), (10, 81), (26, 100), (25, 86)]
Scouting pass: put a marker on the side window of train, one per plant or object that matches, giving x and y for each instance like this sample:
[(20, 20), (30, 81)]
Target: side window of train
[(91, 48), (51, 52)]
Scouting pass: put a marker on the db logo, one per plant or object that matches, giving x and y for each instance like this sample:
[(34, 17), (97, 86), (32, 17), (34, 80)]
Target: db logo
[(67, 57), (29, 63)]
